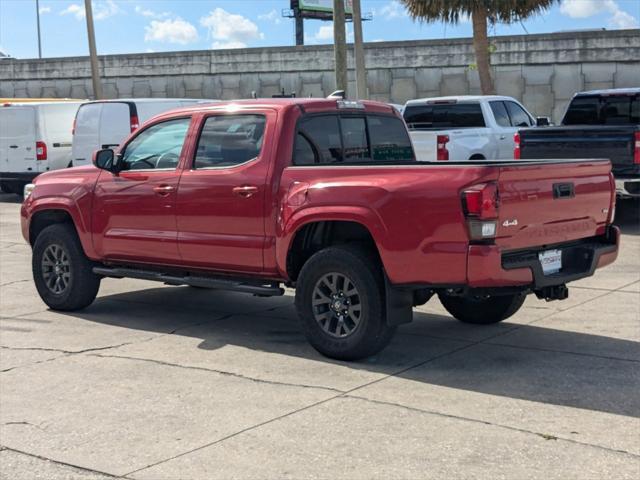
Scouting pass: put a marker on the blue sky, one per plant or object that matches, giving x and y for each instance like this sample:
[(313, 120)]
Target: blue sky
[(124, 26)]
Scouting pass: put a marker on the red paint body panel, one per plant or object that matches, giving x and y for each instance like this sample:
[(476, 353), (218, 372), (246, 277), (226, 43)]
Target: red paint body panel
[(414, 212)]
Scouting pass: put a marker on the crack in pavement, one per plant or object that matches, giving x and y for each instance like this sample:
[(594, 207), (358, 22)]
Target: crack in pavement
[(394, 374), (497, 425), (302, 409), (58, 462), (26, 423), (14, 282), (220, 372)]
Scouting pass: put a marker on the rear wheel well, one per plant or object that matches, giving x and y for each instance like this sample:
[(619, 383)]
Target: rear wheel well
[(315, 236), (42, 220), (477, 156)]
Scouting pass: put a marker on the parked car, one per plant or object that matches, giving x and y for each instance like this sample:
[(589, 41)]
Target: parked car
[(597, 124), (35, 137), (105, 123), (324, 196), (465, 127)]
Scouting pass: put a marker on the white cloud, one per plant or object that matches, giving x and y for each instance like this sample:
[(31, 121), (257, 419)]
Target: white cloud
[(227, 45), (105, 10), (588, 8), (229, 30), (272, 16), (325, 34), (145, 12), (171, 31), (621, 19), (391, 10), (101, 10), (44, 10), (75, 10)]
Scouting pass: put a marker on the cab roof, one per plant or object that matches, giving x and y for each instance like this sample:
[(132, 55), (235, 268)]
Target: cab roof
[(457, 99), (306, 104)]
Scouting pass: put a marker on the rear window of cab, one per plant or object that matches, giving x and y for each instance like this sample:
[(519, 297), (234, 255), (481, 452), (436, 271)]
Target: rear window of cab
[(352, 139)]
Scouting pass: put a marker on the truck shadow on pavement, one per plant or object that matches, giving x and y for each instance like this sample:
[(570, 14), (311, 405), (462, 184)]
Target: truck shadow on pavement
[(512, 360)]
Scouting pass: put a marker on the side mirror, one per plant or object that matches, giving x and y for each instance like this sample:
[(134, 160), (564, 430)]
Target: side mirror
[(543, 122), (104, 159)]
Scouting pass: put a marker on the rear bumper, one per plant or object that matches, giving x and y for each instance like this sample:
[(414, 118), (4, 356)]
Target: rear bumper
[(489, 267), (628, 187)]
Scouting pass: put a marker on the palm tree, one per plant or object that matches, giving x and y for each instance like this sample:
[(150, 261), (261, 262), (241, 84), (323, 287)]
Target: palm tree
[(481, 12)]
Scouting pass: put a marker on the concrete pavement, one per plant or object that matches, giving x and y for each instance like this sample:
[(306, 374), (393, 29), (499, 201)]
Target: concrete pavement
[(160, 382)]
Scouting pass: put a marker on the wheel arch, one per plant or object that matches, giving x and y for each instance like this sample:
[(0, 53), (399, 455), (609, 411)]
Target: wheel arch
[(314, 235)]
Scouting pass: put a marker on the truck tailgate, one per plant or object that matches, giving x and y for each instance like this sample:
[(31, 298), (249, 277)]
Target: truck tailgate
[(615, 143), (555, 202)]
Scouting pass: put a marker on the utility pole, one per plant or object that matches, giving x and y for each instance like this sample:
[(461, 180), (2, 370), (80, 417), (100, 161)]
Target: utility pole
[(297, 15), (340, 45), (38, 17), (358, 50), (95, 72)]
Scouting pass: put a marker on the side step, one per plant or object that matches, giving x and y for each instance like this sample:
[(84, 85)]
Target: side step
[(266, 288)]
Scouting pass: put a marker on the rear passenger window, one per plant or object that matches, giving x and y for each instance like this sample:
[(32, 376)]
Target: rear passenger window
[(352, 139), (500, 114), (519, 117), (228, 140)]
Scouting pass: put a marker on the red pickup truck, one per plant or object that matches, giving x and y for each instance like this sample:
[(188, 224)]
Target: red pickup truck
[(324, 196)]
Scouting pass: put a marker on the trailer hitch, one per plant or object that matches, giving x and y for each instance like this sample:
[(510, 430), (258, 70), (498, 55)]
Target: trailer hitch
[(555, 292)]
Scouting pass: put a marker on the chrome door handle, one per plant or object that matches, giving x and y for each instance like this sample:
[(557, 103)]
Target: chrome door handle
[(163, 190), (245, 191)]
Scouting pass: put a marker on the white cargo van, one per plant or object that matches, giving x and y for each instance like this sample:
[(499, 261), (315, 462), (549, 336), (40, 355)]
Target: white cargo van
[(35, 137), (106, 123)]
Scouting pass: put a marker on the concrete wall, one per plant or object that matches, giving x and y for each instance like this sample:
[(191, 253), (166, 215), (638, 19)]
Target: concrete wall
[(543, 71)]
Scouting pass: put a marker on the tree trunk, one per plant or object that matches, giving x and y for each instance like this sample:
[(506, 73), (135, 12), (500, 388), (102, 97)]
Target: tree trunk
[(481, 47)]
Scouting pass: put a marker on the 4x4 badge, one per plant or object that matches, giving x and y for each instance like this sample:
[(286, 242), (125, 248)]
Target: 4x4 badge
[(510, 223)]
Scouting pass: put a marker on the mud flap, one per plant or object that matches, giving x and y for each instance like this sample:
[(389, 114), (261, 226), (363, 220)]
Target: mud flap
[(399, 304)]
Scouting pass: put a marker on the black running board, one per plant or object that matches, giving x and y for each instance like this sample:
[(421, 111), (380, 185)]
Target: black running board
[(266, 288)]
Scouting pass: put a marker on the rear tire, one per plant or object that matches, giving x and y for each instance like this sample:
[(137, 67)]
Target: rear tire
[(340, 302), (482, 310), (61, 271)]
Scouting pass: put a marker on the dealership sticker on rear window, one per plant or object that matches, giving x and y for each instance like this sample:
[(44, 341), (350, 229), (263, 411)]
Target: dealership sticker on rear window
[(551, 261)]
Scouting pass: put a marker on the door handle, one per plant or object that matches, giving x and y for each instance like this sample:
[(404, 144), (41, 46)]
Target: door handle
[(245, 191), (163, 190), (502, 137), (13, 146)]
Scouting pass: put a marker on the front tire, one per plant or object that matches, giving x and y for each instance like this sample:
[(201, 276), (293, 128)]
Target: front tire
[(483, 310), (61, 271), (340, 302)]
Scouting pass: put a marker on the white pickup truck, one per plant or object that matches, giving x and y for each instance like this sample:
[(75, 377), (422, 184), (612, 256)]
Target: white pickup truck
[(472, 127)]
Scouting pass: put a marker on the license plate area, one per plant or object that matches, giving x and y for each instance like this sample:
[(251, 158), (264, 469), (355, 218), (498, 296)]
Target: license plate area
[(551, 261)]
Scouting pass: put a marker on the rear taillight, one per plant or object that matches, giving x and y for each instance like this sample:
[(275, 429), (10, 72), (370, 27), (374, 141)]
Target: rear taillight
[(636, 149), (480, 205), (134, 123), (516, 148), (41, 151), (73, 127), (442, 152)]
